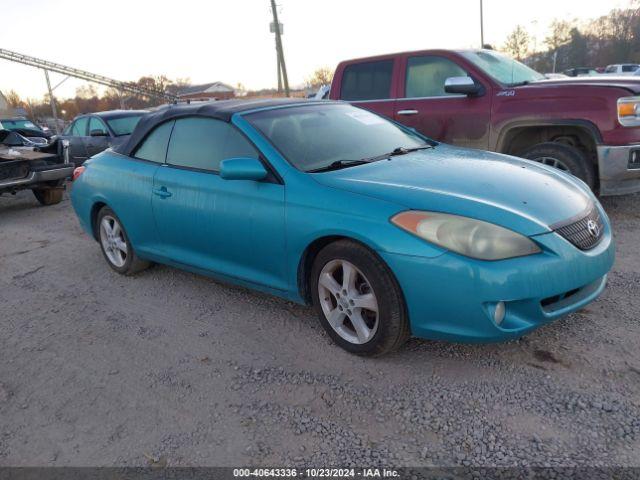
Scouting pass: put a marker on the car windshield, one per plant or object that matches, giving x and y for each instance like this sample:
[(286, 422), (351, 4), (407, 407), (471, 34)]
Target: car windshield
[(124, 125), (18, 123), (505, 70), (313, 137)]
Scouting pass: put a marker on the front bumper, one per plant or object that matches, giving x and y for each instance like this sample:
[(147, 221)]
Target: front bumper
[(451, 297), (617, 175)]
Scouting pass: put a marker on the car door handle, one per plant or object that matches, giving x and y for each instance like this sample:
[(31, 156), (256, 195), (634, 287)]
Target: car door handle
[(407, 112), (162, 192)]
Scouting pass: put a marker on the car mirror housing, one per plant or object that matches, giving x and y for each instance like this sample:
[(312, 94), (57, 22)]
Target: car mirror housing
[(98, 133), (462, 86), (242, 169)]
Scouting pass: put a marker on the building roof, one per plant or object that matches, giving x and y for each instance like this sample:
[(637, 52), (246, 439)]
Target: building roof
[(221, 110), (214, 87)]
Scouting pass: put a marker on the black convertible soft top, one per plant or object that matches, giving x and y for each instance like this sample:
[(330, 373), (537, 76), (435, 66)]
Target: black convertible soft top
[(222, 110)]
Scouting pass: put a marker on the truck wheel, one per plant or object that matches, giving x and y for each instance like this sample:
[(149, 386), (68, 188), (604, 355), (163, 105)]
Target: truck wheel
[(358, 300), (564, 157), (48, 196)]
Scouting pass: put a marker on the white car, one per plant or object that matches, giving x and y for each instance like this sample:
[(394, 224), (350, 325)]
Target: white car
[(622, 69)]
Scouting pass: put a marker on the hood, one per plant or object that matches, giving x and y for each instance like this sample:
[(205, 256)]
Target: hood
[(518, 194), (628, 82)]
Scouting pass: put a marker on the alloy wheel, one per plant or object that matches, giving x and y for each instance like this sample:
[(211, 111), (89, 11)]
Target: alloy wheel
[(348, 301), (113, 241), (552, 162)]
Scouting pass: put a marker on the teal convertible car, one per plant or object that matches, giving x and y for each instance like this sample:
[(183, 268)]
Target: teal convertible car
[(387, 233)]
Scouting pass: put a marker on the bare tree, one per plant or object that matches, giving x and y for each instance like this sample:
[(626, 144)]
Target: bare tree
[(517, 43), (13, 99), (322, 76)]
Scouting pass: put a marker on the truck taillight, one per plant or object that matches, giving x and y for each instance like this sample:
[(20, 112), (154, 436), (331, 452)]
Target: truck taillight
[(77, 172)]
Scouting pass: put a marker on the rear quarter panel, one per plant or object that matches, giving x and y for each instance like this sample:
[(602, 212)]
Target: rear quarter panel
[(125, 185)]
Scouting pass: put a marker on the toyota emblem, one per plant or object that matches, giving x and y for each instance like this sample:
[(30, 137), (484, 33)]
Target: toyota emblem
[(593, 228)]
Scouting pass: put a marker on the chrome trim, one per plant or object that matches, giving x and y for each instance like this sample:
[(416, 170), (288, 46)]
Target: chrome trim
[(457, 81), (370, 101), (407, 112), (406, 99), (35, 177), (438, 97), (615, 176)]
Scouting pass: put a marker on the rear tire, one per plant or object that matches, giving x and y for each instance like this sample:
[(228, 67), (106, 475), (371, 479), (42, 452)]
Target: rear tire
[(365, 312), (48, 196), (115, 244), (564, 157)]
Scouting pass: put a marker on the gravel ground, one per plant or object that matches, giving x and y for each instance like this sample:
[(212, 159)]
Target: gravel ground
[(172, 368)]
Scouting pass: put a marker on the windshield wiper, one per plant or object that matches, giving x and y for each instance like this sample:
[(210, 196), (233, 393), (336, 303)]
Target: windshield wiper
[(338, 164), (399, 151)]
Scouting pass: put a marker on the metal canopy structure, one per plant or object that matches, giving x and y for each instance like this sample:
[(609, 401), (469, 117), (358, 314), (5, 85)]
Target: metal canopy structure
[(83, 75)]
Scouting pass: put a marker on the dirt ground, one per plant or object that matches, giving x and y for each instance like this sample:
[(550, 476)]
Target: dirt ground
[(173, 368)]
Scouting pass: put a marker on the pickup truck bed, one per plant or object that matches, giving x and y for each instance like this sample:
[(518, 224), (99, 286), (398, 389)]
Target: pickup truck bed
[(42, 172)]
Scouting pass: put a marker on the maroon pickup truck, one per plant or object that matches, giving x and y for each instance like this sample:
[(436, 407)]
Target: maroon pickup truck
[(589, 126)]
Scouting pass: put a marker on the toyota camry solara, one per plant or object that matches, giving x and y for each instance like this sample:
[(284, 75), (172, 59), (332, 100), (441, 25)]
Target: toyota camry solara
[(387, 233)]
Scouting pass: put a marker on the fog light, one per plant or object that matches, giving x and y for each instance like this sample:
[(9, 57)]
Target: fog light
[(498, 313), (634, 160)]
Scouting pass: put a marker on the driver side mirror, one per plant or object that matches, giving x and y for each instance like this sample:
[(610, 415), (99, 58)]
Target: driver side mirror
[(242, 169), (98, 133), (462, 86)]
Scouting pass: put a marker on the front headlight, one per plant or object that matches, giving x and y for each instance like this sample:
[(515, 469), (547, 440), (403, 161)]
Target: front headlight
[(629, 111), (467, 236)]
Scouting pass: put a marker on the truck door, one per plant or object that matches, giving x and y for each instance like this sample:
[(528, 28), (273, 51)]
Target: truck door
[(369, 85), (424, 105)]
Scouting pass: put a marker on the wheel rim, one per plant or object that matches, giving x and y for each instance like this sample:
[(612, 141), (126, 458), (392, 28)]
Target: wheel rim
[(113, 241), (552, 162), (348, 301)]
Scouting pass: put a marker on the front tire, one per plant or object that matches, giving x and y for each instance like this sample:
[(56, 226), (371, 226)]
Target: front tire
[(565, 158), (358, 299), (115, 244)]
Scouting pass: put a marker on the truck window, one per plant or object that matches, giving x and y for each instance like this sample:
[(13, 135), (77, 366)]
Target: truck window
[(367, 81), (426, 76)]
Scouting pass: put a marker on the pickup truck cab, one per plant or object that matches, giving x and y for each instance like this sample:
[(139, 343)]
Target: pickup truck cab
[(588, 126), (622, 69)]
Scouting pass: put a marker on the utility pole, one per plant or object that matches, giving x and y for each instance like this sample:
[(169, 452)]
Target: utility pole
[(52, 99), (278, 68), (481, 26), (282, 65)]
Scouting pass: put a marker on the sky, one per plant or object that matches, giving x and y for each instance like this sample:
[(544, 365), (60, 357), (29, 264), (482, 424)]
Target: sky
[(229, 41)]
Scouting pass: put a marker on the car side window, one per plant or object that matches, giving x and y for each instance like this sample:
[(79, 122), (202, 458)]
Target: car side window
[(367, 81), (97, 124), (202, 143), (426, 76), (80, 127), (154, 147)]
